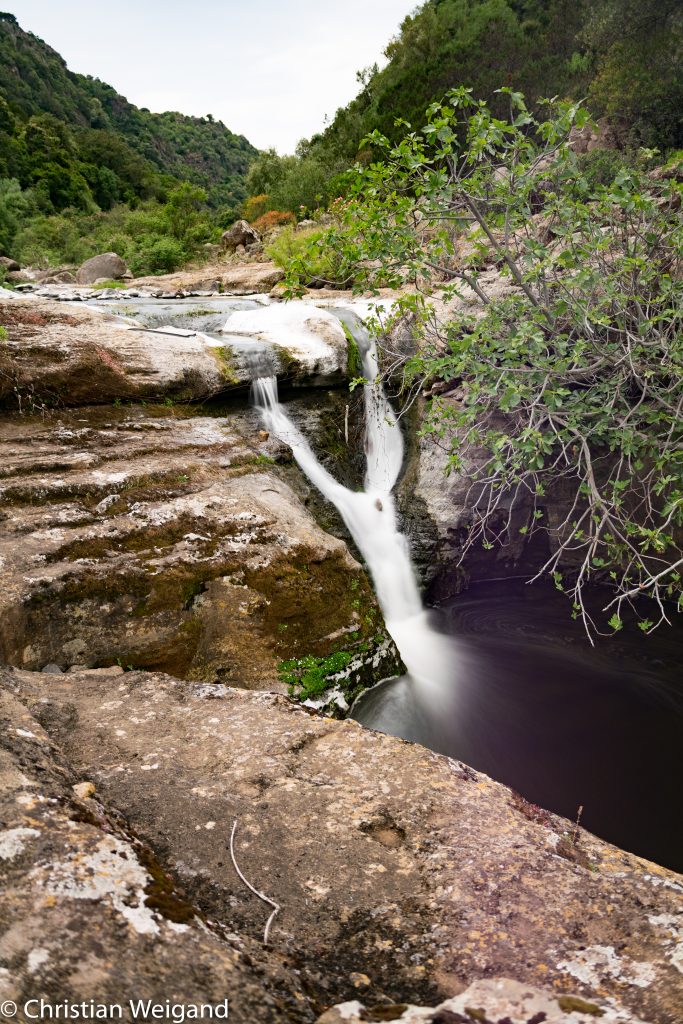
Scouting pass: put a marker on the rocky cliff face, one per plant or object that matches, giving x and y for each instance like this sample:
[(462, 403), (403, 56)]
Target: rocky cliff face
[(180, 539), (167, 540), (402, 876), (154, 535)]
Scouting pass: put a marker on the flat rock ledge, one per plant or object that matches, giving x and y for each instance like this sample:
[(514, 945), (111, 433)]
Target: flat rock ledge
[(404, 877), (59, 354), (240, 278)]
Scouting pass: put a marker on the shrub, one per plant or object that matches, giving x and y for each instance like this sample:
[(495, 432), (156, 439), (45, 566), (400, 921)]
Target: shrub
[(306, 257), (255, 207), (47, 241), (602, 166), (158, 256), (272, 219)]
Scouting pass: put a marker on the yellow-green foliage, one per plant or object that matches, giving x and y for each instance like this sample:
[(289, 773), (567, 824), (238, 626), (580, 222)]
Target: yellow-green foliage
[(255, 206), (305, 255)]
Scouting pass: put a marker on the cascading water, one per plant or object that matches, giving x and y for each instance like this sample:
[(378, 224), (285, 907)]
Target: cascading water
[(370, 516)]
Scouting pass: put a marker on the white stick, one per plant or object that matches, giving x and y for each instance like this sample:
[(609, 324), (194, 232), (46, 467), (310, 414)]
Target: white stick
[(260, 895)]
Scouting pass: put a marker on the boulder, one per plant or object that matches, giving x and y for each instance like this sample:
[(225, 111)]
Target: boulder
[(240, 234), (603, 135), (8, 264), (19, 277), (107, 265), (312, 338), (402, 876), (58, 277)]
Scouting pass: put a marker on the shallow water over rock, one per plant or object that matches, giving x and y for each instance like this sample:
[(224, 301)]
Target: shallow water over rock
[(567, 725)]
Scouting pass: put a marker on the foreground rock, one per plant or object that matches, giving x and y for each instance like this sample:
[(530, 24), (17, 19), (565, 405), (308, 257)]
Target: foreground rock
[(108, 267), (402, 876), (160, 539), (493, 1001), (88, 913)]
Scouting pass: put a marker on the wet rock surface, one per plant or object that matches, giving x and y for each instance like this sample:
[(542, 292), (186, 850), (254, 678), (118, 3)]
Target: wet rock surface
[(151, 537), (398, 871), (438, 508), (60, 354)]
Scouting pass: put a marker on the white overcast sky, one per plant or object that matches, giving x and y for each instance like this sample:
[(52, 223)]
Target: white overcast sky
[(269, 69)]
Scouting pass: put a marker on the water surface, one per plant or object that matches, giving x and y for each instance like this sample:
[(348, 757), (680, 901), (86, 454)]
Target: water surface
[(532, 704)]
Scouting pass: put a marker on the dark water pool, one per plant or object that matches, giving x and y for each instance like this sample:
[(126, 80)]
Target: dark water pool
[(567, 725)]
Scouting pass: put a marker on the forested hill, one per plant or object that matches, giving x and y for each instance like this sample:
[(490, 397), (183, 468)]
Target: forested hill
[(61, 131), (623, 57)]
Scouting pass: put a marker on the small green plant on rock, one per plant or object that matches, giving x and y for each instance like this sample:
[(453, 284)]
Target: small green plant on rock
[(310, 677)]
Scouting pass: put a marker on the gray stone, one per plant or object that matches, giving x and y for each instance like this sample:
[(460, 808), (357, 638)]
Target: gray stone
[(240, 234), (107, 266)]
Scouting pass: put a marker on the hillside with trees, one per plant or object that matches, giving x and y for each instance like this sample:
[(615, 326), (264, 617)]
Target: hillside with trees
[(623, 57), (73, 149)]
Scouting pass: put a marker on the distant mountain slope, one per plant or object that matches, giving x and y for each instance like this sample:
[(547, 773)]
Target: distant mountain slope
[(109, 132)]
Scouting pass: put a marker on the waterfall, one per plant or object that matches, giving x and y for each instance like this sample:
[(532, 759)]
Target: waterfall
[(370, 515)]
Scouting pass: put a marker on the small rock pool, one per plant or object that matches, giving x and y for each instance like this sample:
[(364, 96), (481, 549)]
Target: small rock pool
[(565, 724)]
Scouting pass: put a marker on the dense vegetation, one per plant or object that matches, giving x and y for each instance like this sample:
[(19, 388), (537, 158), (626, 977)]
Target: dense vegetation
[(566, 364), (623, 56), (82, 170)]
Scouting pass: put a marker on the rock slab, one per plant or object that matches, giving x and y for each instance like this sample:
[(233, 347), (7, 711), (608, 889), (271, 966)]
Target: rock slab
[(397, 870)]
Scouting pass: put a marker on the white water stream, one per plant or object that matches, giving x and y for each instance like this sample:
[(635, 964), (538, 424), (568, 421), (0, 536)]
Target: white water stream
[(371, 518)]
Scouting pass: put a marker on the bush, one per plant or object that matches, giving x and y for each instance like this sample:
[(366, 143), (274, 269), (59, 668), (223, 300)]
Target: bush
[(47, 241), (272, 219), (305, 256), (255, 207), (158, 256), (602, 166)]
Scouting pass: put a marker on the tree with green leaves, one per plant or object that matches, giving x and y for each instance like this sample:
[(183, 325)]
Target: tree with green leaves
[(561, 345)]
